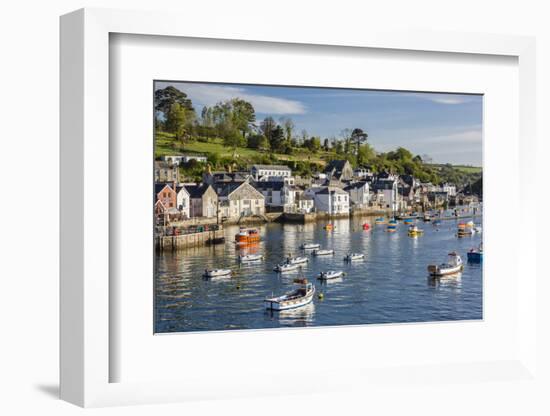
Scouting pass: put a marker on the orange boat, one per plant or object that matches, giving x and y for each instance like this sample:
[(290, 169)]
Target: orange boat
[(247, 236)]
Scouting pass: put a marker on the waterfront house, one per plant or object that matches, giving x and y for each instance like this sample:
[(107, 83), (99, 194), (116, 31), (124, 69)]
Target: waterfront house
[(179, 159), (166, 172), (305, 204), (183, 201), (359, 193), (329, 199), (278, 195), (203, 201), (166, 194), (387, 192), (449, 188), (339, 169), (271, 173), (238, 199)]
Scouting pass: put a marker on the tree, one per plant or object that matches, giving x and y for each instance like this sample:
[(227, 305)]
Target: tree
[(234, 139), (358, 137), (179, 121), (277, 141), (267, 126), (288, 126), (326, 145), (243, 115), (165, 98), (339, 147)]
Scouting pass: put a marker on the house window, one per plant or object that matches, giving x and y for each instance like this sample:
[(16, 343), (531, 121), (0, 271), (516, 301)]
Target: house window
[(171, 204)]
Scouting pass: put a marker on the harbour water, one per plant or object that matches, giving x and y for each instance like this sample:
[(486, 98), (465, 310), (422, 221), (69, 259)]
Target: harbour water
[(391, 285)]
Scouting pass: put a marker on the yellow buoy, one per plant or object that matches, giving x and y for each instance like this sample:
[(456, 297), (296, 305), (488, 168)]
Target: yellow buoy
[(321, 296)]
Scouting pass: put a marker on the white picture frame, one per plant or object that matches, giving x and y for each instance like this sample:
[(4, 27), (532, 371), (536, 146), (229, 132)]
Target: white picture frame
[(85, 182)]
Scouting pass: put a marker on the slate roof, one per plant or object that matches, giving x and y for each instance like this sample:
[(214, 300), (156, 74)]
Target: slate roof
[(355, 185), (196, 191), (268, 185), (160, 186), (325, 191), (272, 167)]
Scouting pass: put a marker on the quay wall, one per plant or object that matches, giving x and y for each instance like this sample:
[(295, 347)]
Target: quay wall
[(178, 242)]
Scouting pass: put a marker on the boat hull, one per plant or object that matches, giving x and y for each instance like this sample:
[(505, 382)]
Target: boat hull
[(284, 305), (439, 271), (475, 257)]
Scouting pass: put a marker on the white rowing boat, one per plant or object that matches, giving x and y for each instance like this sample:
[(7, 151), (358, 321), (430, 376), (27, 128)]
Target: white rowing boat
[(323, 252), (354, 256), (332, 274), (282, 268), (291, 300), (453, 265), (296, 260), (251, 257), (217, 273), (310, 246)]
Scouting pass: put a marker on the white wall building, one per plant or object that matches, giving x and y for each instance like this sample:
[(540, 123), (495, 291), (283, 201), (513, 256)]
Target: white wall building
[(179, 159), (359, 193), (330, 199), (271, 173), (183, 200)]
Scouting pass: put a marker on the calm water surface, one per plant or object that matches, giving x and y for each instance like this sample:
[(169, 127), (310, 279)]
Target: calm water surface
[(390, 285)]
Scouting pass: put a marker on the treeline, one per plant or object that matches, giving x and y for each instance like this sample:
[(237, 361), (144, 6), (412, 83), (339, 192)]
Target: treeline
[(234, 122)]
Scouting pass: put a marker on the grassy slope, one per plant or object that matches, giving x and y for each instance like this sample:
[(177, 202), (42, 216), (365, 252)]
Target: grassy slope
[(164, 146)]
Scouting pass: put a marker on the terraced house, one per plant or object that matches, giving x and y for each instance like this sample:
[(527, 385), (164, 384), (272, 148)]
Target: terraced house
[(237, 199)]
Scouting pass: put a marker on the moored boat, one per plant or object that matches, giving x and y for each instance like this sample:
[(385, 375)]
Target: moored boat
[(354, 256), (414, 231), (427, 217), (380, 221), (285, 267), (329, 227), (217, 273), (251, 257), (392, 226), (331, 274), (323, 252), (453, 265), (464, 230), (296, 260), (408, 221), (247, 236), (310, 246), (366, 226), (475, 255), (295, 299)]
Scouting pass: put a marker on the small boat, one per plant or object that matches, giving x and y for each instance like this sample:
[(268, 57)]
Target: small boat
[(323, 252), (414, 231), (247, 236), (427, 217), (366, 226), (380, 221), (217, 273), (216, 240), (332, 274), (392, 226), (295, 299), (329, 227), (476, 255), (296, 260), (310, 246), (354, 256), (464, 231), (477, 229), (454, 265), (437, 223), (408, 221), (282, 268), (251, 257)]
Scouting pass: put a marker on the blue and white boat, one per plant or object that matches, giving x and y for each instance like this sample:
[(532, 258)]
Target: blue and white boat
[(475, 255), (295, 299)]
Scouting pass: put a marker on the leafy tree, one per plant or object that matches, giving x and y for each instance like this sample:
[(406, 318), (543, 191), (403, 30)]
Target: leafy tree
[(277, 141), (243, 115), (267, 126), (166, 97), (358, 137), (179, 121)]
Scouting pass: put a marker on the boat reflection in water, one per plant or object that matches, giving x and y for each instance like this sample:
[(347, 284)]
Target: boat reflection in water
[(298, 317), (453, 281)]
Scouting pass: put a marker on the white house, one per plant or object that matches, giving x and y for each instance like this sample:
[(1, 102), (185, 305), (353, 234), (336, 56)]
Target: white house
[(305, 204), (183, 201), (359, 193), (277, 194), (330, 199), (270, 172), (450, 189), (388, 193), (240, 199), (179, 159)]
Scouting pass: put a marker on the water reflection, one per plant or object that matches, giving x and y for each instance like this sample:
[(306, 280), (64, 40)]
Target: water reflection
[(388, 285)]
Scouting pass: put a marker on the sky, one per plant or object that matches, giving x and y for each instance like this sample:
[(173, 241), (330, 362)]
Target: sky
[(447, 127)]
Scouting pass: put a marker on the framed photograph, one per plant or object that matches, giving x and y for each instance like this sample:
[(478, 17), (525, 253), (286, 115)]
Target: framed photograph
[(281, 200)]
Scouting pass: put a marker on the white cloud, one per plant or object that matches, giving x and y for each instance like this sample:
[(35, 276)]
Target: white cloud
[(449, 99), (210, 94)]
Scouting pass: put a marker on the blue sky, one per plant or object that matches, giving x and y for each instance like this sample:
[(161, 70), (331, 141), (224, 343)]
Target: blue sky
[(447, 127)]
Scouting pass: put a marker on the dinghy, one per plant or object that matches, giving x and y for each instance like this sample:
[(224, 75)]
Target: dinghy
[(250, 258), (282, 268), (296, 260), (295, 299), (476, 255), (453, 265), (332, 274), (310, 246), (217, 273), (323, 253), (354, 256), (414, 231)]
